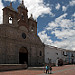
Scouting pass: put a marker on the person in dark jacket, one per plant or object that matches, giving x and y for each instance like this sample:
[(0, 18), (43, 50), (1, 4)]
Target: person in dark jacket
[(50, 68)]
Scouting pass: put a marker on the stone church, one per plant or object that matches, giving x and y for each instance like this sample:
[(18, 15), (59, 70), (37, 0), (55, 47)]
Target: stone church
[(19, 42)]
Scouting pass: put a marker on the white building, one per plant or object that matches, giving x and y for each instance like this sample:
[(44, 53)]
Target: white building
[(52, 54)]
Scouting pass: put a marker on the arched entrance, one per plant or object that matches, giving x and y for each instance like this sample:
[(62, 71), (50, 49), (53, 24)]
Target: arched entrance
[(23, 55)]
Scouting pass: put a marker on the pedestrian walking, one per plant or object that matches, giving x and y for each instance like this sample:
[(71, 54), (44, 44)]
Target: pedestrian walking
[(50, 68), (47, 69)]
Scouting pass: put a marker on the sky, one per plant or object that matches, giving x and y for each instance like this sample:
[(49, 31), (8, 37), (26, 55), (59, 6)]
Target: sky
[(55, 20)]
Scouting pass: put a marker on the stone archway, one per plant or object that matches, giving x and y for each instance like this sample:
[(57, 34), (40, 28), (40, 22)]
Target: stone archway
[(23, 55)]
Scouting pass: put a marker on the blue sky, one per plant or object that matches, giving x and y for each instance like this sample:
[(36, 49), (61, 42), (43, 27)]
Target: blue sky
[(55, 20)]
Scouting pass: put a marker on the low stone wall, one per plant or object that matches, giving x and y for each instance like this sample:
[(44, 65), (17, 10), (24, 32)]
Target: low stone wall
[(6, 67)]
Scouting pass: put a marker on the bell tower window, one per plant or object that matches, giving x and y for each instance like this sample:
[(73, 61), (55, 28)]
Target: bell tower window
[(10, 20), (31, 29), (22, 15)]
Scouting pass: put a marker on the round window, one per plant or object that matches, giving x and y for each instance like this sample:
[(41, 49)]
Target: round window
[(23, 35)]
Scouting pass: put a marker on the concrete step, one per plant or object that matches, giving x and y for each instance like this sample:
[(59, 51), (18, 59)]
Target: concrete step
[(35, 68), (7, 67)]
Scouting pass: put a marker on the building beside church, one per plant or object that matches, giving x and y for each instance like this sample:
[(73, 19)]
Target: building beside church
[(19, 42), (52, 54)]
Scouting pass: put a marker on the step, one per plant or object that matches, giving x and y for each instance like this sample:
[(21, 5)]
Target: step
[(35, 68)]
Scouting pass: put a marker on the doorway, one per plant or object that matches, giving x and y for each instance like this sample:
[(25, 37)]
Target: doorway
[(23, 55)]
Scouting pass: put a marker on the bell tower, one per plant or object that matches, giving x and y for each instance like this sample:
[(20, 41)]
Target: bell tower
[(32, 25), (9, 15), (22, 15)]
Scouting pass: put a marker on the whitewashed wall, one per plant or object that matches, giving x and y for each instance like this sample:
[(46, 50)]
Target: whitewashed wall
[(53, 53)]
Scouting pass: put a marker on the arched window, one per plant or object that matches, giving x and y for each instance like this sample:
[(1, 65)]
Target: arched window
[(40, 53), (10, 20)]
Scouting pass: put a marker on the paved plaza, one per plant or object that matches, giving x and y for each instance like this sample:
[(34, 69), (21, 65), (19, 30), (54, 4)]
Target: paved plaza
[(62, 70)]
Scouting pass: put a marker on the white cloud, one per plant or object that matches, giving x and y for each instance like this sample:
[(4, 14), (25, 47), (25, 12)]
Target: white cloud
[(62, 16), (72, 3), (45, 38), (10, 0), (64, 8), (58, 22), (73, 15), (37, 8), (63, 29), (66, 26), (64, 34), (68, 43), (57, 6), (1, 12)]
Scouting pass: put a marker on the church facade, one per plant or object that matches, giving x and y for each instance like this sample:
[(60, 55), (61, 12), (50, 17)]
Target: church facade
[(19, 42)]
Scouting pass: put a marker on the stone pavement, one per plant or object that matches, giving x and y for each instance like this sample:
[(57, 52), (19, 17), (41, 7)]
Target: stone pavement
[(62, 70)]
